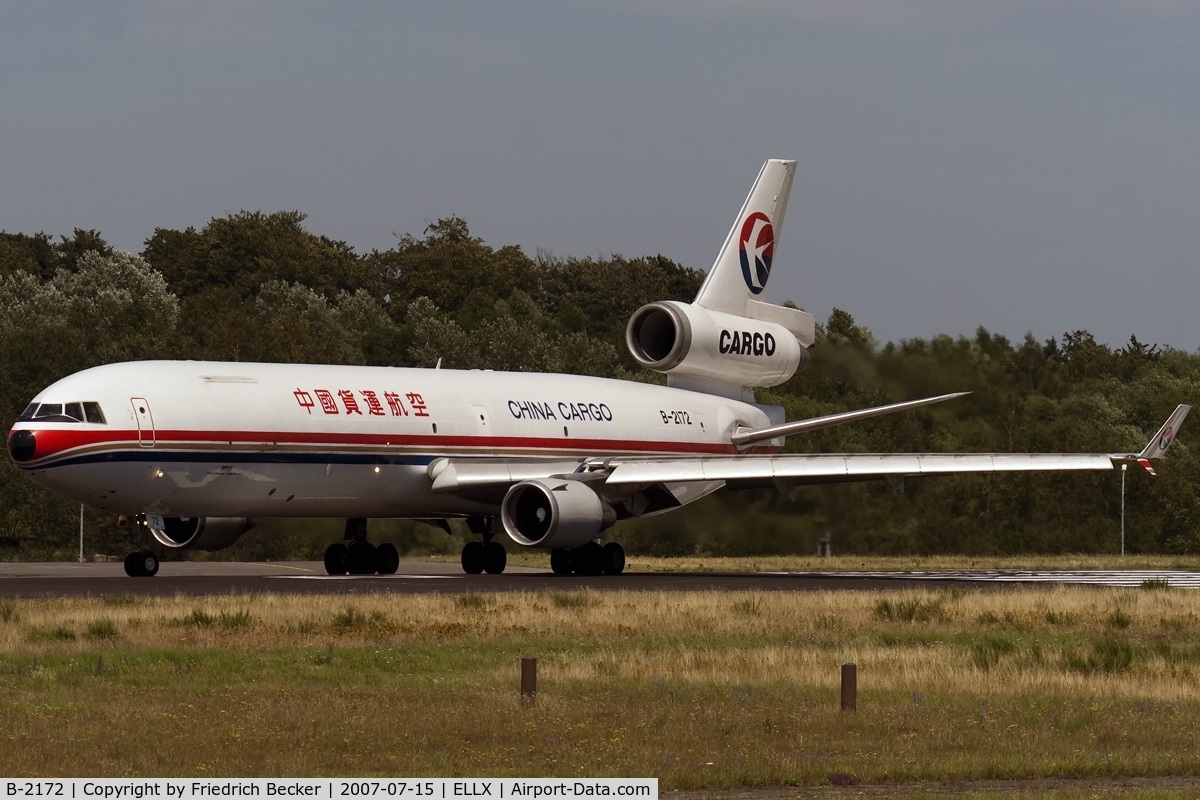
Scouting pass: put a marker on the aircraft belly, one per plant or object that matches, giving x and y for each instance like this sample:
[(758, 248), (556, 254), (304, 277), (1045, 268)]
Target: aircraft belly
[(259, 490)]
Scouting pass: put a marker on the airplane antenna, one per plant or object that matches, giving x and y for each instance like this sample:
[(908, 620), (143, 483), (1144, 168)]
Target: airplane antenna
[(438, 365)]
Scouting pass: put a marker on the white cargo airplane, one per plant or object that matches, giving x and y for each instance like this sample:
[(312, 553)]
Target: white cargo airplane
[(193, 451)]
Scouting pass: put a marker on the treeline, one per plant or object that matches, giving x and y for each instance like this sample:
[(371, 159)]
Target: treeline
[(260, 287)]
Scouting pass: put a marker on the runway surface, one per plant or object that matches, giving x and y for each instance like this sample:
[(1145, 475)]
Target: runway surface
[(62, 579)]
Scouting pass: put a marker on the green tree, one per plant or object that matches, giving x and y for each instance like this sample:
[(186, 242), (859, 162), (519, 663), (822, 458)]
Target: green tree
[(296, 324), (245, 250), (447, 266), (111, 307), (39, 256)]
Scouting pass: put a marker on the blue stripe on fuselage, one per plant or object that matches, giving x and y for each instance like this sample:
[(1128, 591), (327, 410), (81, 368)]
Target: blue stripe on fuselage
[(151, 455)]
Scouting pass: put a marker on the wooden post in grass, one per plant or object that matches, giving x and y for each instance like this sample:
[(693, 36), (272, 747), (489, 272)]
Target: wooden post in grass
[(528, 681), (849, 687)]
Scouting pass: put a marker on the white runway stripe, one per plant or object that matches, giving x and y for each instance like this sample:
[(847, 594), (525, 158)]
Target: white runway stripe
[(359, 577), (1134, 577)]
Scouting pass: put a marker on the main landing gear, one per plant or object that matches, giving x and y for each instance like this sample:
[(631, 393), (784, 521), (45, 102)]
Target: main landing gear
[(487, 556), (357, 556), (589, 559)]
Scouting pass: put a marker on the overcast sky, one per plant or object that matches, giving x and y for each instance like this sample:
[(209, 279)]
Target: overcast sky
[(1025, 166)]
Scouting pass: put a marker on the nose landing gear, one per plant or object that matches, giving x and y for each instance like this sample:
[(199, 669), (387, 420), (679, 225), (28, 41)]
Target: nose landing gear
[(143, 564)]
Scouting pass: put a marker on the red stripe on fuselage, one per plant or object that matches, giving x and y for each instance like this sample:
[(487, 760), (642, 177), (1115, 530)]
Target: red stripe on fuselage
[(53, 442)]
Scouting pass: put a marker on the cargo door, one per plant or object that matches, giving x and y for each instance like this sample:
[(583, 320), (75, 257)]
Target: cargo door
[(144, 419)]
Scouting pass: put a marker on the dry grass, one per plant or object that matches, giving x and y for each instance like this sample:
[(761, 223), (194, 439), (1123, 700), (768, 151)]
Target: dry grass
[(699, 689)]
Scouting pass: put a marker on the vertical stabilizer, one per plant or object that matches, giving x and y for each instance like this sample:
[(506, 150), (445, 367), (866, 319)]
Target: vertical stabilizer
[(743, 266), (728, 341)]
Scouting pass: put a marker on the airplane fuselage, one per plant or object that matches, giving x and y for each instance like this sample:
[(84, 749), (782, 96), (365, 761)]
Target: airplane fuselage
[(193, 438), (193, 451)]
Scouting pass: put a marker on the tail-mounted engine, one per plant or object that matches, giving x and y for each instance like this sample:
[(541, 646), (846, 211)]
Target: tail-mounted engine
[(681, 339), (554, 513), (198, 533)]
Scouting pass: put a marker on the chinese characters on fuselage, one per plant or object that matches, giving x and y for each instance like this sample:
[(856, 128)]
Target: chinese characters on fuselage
[(362, 402)]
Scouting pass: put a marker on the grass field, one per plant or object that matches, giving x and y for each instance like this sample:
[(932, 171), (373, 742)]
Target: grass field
[(703, 690)]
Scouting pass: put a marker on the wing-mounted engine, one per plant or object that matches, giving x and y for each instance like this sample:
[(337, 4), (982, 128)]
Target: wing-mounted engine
[(198, 533), (684, 340), (554, 513)]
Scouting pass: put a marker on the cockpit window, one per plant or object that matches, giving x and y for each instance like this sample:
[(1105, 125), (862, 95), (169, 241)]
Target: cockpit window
[(46, 410), (93, 413), (86, 411)]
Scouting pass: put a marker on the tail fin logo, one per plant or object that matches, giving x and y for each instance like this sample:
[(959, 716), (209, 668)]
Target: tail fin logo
[(757, 247), (1165, 440)]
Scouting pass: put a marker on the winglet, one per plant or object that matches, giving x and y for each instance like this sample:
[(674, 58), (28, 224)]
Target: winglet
[(1159, 444)]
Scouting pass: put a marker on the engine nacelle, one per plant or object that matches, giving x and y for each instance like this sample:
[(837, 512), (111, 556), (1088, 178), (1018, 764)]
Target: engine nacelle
[(683, 339), (199, 533), (554, 513)]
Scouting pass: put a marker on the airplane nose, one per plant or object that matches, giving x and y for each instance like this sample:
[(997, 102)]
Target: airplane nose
[(21, 445)]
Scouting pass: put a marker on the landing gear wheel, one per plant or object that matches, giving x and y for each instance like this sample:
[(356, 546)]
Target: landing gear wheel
[(473, 558), (141, 565), (362, 559), (388, 558), (612, 559), (587, 560), (560, 561), (495, 559), (133, 565), (336, 559)]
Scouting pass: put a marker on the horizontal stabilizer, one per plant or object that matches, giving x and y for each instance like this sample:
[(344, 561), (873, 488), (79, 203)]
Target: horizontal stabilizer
[(801, 324), (747, 438)]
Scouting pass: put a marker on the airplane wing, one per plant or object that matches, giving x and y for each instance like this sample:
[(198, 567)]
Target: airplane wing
[(451, 474), (840, 467), (456, 474)]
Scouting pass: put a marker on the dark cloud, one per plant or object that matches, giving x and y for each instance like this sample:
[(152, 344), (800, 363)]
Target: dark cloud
[(1024, 166)]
